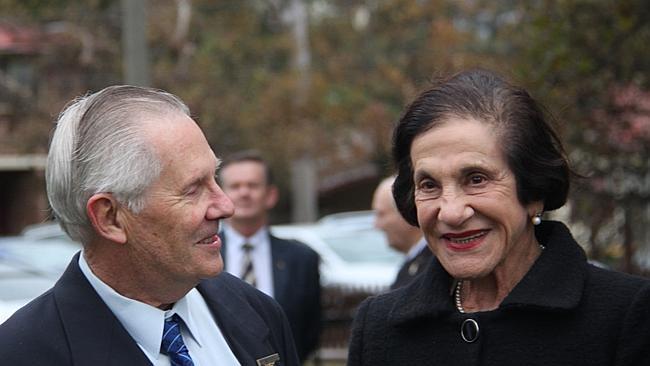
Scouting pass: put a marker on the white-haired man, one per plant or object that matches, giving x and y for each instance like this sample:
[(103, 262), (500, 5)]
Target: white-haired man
[(401, 236), (132, 177)]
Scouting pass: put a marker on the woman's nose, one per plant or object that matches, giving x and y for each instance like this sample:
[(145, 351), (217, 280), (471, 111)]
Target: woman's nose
[(454, 210)]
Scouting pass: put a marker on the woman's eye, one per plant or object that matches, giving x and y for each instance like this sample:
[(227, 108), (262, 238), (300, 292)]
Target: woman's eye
[(427, 185)]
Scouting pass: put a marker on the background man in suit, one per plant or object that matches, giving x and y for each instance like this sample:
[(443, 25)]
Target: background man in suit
[(131, 176), (286, 270), (401, 235)]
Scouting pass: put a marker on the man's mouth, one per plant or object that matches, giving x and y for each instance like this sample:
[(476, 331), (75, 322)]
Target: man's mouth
[(210, 239)]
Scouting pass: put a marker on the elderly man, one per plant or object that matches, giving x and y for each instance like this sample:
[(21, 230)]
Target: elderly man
[(131, 176), (284, 269), (401, 235)]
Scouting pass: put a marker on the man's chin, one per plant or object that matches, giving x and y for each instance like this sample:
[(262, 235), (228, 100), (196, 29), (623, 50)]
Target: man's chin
[(213, 269), (212, 272)]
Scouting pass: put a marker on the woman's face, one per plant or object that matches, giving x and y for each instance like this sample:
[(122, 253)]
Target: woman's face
[(466, 200)]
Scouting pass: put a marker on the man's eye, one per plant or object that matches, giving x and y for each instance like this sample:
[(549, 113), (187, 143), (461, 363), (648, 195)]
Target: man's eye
[(192, 190), (476, 179)]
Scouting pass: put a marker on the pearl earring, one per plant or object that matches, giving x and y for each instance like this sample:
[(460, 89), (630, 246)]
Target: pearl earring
[(537, 219)]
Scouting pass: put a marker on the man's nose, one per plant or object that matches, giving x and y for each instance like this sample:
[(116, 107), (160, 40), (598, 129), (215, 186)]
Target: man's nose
[(221, 205)]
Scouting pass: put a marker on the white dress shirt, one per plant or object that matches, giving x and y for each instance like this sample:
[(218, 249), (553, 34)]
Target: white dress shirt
[(416, 249), (260, 255), (203, 338)]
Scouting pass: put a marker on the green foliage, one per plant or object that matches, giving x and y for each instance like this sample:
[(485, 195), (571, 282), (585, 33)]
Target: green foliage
[(587, 60), (590, 61)]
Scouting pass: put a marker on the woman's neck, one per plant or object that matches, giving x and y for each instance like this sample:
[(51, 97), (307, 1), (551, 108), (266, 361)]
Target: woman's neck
[(487, 293)]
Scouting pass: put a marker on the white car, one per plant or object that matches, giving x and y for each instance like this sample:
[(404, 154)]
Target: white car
[(30, 264), (354, 254)]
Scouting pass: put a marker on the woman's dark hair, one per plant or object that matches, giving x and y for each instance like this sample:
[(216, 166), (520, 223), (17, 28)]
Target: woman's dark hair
[(532, 149)]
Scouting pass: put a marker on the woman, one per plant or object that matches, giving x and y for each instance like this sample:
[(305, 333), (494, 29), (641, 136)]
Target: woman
[(477, 166)]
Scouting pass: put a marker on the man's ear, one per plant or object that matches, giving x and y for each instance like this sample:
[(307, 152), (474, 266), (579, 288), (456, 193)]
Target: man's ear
[(102, 209), (272, 196)]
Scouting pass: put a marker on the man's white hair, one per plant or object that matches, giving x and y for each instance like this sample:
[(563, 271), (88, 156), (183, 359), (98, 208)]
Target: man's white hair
[(99, 146)]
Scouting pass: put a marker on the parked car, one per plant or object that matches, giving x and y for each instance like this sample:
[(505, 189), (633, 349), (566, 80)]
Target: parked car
[(31, 263), (354, 254)]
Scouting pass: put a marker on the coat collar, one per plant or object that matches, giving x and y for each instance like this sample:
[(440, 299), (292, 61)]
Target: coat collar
[(95, 336), (555, 282), (245, 331), (280, 252)]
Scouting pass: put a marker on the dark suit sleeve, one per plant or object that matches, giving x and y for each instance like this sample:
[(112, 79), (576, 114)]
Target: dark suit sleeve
[(313, 321), (355, 352)]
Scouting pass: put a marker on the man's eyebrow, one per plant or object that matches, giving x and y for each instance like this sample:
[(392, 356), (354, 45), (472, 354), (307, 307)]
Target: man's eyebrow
[(218, 164)]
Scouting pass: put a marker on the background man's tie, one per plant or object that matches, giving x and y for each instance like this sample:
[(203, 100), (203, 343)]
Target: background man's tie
[(248, 273), (172, 343)]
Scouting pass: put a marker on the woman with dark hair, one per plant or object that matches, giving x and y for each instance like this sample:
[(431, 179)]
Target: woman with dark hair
[(478, 164)]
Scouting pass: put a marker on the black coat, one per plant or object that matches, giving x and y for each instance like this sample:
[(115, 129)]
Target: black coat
[(296, 286), (563, 312), (71, 325), (412, 268)]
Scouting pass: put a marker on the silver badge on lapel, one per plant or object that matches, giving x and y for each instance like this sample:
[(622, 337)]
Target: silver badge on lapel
[(268, 360), (280, 265), (413, 268)]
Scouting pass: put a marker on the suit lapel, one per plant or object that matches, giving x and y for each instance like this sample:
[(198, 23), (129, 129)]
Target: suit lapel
[(222, 236), (94, 334), (279, 255), (244, 330)]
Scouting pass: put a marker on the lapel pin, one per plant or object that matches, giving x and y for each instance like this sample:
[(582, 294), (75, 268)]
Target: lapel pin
[(268, 360), (280, 265), (413, 268)]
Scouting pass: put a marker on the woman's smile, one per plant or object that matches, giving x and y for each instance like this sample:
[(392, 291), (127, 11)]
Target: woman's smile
[(465, 240)]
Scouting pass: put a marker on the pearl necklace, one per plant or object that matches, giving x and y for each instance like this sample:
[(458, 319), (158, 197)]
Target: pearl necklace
[(459, 289), (459, 304)]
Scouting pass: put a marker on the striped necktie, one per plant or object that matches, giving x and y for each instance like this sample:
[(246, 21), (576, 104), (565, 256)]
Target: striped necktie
[(172, 343), (248, 272)]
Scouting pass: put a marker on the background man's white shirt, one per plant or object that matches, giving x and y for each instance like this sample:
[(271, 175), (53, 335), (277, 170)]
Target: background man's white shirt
[(261, 256)]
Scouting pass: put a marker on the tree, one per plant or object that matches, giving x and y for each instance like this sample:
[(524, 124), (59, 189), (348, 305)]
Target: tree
[(590, 61)]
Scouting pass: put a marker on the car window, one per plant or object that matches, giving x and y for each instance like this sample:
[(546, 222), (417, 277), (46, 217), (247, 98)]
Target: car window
[(46, 256), (359, 246)]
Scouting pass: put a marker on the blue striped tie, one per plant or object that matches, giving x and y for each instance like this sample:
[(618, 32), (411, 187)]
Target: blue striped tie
[(172, 343)]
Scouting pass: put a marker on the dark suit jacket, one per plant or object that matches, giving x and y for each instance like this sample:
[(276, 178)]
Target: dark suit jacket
[(412, 268), (71, 325), (564, 311), (296, 286)]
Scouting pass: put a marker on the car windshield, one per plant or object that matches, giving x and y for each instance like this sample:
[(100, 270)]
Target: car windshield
[(46, 257), (29, 269), (359, 246)]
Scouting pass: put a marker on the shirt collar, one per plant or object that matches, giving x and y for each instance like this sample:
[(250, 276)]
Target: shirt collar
[(416, 249), (554, 282), (142, 321), (237, 240)]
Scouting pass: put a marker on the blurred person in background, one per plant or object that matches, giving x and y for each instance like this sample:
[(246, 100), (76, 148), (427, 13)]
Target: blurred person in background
[(401, 236), (286, 270), (478, 165), (131, 176)]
